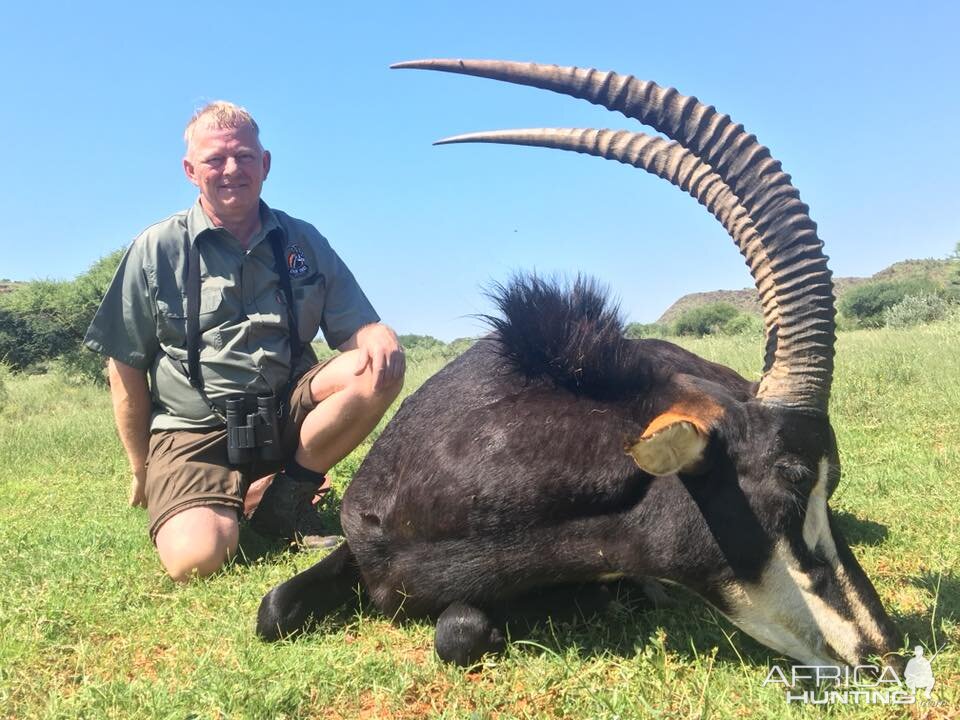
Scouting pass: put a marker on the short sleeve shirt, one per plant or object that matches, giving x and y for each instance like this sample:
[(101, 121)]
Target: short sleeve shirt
[(244, 330)]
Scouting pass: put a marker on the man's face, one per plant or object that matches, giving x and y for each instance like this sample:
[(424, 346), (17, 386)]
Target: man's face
[(229, 166)]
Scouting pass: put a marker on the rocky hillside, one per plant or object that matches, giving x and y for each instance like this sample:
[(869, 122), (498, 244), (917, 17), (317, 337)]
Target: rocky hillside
[(746, 300)]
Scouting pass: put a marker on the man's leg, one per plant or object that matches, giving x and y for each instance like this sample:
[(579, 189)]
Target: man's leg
[(197, 541), (349, 406), (343, 408)]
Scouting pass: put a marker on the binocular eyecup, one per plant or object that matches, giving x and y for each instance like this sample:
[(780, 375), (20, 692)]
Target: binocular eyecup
[(252, 434)]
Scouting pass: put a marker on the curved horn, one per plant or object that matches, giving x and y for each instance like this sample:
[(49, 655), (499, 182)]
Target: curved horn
[(802, 367), (672, 162)]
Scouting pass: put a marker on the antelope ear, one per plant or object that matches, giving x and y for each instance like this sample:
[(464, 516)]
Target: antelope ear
[(672, 443)]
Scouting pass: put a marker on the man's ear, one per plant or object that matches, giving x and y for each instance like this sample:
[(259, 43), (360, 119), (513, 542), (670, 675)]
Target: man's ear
[(676, 439), (190, 171)]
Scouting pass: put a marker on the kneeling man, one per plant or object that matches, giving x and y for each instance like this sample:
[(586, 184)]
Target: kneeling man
[(211, 314)]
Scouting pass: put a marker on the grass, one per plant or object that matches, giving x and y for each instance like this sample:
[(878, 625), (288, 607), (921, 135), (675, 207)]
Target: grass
[(91, 627)]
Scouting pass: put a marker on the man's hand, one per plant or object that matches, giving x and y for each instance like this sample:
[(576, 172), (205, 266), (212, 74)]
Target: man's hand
[(380, 349), (131, 410), (138, 493)]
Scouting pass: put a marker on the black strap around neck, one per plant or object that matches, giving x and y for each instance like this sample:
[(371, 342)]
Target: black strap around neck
[(276, 239)]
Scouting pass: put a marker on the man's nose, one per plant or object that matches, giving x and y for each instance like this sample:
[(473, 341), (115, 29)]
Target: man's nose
[(230, 165)]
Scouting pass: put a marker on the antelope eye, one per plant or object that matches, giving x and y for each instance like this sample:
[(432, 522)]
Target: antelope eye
[(794, 472)]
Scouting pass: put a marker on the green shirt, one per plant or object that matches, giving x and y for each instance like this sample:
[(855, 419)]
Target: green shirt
[(243, 322)]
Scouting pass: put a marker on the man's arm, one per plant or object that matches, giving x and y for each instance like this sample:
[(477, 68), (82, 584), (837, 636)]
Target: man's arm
[(131, 411)]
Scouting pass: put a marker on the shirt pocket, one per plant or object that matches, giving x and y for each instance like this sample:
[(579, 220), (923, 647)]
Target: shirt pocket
[(310, 301), (172, 319)]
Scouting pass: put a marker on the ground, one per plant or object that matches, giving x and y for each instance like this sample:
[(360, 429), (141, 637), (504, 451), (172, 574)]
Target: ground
[(91, 627)]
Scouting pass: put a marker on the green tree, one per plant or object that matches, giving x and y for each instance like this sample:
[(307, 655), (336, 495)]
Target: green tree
[(46, 319), (952, 289), (423, 342), (635, 331), (866, 303), (714, 318)]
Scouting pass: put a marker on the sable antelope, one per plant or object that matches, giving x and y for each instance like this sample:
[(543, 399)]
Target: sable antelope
[(556, 451)]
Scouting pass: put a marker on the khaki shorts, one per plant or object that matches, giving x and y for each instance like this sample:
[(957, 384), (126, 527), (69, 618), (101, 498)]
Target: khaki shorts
[(188, 468)]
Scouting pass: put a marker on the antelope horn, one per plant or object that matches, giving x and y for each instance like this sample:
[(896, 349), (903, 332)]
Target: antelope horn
[(672, 162), (801, 329)]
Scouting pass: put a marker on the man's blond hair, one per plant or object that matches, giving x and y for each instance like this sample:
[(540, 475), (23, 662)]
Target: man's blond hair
[(220, 114)]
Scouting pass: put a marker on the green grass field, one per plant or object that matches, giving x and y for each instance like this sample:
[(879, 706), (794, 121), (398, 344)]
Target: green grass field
[(91, 627)]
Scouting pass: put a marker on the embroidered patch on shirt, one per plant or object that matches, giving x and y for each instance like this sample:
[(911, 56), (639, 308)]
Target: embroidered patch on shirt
[(296, 262)]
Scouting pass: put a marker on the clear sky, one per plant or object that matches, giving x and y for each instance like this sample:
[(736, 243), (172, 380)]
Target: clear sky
[(858, 100)]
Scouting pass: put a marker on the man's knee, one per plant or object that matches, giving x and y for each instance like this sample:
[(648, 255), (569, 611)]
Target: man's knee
[(380, 387), (198, 541), (341, 376)]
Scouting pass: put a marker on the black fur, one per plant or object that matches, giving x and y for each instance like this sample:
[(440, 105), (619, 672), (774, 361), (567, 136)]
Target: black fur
[(290, 606), (464, 634), (573, 335)]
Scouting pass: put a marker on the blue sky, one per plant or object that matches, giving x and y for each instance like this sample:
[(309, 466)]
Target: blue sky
[(858, 100)]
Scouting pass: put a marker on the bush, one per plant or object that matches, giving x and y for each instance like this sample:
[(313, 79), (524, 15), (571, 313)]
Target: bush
[(953, 284), (46, 319), (743, 324), (915, 310), (4, 394), (635, 331), (28, 337), (715, 318), (425, 342), (866, 303)]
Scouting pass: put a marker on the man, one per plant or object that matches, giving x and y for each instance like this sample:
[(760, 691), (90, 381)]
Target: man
[(245, 342)]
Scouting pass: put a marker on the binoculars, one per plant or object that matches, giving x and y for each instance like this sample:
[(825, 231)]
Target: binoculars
[(253, 435)]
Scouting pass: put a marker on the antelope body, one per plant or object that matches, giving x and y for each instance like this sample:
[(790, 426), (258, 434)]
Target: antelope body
[(556, 451)]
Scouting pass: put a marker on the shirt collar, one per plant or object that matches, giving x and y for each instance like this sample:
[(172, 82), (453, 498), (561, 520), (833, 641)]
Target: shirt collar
[(198, 223)]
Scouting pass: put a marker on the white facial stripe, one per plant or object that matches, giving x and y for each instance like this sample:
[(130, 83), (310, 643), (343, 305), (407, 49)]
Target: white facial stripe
[(816, 534), (783, 612), (816, 526)]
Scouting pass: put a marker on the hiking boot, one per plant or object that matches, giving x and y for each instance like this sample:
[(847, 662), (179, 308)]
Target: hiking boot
[(287, 511)]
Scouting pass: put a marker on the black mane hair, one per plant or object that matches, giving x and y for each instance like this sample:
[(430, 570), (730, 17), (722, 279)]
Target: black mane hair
[(571, 333)]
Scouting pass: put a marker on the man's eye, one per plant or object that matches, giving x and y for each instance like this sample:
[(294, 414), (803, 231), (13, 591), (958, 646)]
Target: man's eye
[(245, 158), (214, 161)]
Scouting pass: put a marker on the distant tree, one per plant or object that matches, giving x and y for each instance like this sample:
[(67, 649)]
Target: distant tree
[(708, 319), (423, 342), (635, 331), (915, 310), (46, 319), (866, 303), (952, 290)]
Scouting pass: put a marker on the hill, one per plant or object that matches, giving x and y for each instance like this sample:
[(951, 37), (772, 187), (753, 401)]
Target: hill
[(746, 300)]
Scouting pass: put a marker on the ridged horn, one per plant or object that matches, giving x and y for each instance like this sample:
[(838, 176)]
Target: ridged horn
[(669, 160), (801, 371)]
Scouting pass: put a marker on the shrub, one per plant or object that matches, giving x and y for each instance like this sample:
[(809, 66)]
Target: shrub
[(425, 342), (743, 324), (866, 303), (635, 331), (915, 310), (4, 394), (28, 337), (715, 318), (47, 319), (953, 283)]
